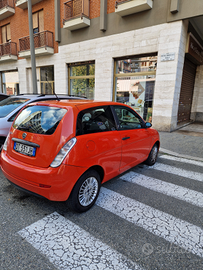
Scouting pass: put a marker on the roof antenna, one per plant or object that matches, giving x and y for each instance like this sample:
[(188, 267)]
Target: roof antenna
[(53, 90), (56, 95)]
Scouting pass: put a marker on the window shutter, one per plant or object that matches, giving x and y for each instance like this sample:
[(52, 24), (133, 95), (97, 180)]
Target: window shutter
[(8, 32), (35, 20), (3, 31), (41, 21)]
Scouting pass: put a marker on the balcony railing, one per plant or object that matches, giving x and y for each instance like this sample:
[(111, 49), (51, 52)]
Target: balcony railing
[(6, 3), (118, 2), (8, 52), (76, 8), (41, 39), (9, 48)]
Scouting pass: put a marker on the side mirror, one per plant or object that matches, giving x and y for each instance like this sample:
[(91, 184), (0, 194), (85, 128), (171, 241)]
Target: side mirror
[(148, 125)]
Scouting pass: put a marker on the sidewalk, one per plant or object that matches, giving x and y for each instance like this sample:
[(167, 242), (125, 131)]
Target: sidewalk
[(186, 142)]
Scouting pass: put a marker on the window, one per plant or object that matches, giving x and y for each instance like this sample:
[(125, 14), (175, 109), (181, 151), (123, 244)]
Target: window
[(82, 79), (38, 21), (6, 33), (134, 83), (39, 119), (10, 82), (128, 119), (47, 80), (95, 120)]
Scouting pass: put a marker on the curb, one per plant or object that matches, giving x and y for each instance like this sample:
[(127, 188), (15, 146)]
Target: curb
[(165, 151)]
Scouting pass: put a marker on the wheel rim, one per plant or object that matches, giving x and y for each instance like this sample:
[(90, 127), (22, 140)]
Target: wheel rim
[(88, 191), (154, 154)]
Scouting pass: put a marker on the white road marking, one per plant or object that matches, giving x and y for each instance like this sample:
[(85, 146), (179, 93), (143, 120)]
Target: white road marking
[(172, 229), (181, 193), (184, 160), (68, 246), (178, 171)]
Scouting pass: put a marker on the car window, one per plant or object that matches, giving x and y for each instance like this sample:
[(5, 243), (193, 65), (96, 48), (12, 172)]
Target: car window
[(9, 104), (39, 119), (128, 119), (95, 120)]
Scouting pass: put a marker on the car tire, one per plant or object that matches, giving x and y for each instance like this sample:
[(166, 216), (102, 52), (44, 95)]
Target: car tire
[(85, 192), (151, 160)]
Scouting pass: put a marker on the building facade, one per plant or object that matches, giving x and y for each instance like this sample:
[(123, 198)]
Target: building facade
[(144, 53)]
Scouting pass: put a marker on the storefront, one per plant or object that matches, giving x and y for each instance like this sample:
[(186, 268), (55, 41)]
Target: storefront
[(10, 82), (134, 83)]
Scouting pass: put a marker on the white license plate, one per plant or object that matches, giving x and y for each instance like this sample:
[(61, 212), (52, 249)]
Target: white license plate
[(24, 149)]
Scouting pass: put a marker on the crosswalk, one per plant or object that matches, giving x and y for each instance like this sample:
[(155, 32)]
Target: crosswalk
[(70, 246)]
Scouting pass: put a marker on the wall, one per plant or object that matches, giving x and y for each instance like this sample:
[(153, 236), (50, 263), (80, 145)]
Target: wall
[(115, 23), (169, 76), (187, 9)]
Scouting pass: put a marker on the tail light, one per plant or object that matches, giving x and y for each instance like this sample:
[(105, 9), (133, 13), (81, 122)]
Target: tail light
[(6, 142), (63, 153)]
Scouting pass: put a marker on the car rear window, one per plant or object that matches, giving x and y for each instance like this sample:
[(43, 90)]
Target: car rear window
[(39, 119), (9, 104)]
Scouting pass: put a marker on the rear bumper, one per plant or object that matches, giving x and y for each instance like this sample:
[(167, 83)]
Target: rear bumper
[(54, 184)]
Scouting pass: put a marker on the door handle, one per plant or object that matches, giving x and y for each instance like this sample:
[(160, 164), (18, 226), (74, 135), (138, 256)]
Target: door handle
[(125, 138)]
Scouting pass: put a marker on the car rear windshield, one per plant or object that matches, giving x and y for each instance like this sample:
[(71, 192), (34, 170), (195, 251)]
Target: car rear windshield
[(9, 104), (39, 119)]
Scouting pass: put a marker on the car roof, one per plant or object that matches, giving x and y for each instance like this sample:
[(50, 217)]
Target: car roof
[(45, 96), (80, 104)]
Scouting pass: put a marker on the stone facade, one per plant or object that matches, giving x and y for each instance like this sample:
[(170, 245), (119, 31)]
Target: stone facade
[(165, 38), (161, 39)]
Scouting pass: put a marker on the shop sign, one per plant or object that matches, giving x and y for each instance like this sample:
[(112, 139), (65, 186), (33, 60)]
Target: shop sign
[(167, 57), (194, 49)]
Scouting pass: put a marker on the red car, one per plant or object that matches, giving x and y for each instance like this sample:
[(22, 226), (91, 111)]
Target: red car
[(64, 150)]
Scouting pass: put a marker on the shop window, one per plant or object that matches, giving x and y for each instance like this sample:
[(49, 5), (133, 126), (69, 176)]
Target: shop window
[(134, 83), (10, 82), (82, 79), (6, 33), (38, 21), (47, 80)]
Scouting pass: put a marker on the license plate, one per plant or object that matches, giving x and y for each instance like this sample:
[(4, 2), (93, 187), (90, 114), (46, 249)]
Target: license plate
[(24, 149)]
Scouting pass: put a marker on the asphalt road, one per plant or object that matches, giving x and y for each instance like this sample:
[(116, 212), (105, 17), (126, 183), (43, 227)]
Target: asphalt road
[(148, 218)]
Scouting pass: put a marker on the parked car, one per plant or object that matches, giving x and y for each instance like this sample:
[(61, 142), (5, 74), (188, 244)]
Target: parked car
[(11, 106), (64, 150), (3, 96)]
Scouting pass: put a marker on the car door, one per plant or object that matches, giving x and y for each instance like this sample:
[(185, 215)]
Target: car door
[(98, 140), (135, 137)]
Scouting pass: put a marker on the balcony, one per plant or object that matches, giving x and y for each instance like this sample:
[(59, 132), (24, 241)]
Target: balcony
[(23, 3), (8, 52), (43, 42), (76, 14), (124, 7), (6, 8)]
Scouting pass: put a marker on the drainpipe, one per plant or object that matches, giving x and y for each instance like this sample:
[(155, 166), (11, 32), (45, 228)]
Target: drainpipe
[(103, 15), (32, 49)]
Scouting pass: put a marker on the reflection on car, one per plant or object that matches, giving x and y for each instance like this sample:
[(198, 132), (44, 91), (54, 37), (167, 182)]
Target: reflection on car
[(3, 96)]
